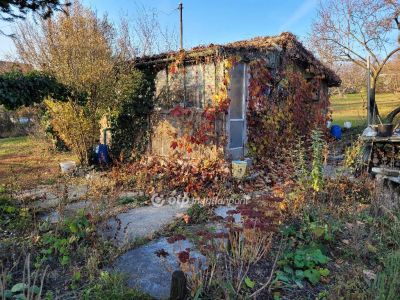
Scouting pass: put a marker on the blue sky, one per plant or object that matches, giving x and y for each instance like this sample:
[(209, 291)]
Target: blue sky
[(209, 21)]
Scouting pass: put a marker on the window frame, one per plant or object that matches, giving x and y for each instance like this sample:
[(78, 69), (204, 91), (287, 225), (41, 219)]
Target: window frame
[(243, 118)]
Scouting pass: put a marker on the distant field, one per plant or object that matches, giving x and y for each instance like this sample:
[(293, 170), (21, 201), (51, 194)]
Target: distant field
[(26, 162), (352, 107)]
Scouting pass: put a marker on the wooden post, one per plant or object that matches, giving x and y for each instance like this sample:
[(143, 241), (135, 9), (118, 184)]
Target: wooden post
[(178, 286), (370, 106), (229, 246)]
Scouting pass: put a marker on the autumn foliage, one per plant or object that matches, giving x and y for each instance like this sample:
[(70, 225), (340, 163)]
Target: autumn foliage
[(200, 177), (281, 109)]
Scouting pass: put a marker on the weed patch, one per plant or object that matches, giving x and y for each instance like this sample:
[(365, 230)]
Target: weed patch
[(112, 286)]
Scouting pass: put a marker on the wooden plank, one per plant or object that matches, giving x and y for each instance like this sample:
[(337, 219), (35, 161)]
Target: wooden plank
[(394, 179), (390, 139), (386, 171)]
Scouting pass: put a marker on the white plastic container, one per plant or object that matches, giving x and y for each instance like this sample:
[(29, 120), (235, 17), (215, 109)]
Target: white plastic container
[(239, 168), (67, 166), (347, 125), (328, 124)]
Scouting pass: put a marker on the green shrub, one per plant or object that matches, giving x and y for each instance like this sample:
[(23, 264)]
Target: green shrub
[(129, 120), (18, 89)]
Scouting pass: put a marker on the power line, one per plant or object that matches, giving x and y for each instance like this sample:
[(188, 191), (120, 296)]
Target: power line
[(169, 13)]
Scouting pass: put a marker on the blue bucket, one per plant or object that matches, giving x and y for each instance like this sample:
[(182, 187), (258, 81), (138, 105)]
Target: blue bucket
[(336, 131), (102, 154)]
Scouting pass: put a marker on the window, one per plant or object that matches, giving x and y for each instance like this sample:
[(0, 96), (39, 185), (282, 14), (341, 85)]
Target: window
[(237, 94), (194, 86)]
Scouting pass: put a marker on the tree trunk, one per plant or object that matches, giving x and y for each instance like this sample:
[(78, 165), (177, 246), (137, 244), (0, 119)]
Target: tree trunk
[(389, 118), (373, 112)]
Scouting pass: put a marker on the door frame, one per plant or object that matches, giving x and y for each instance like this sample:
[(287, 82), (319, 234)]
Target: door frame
[(239, 152)]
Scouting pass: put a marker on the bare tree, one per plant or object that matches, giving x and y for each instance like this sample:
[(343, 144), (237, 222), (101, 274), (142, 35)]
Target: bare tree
[(391, 76), (75, 48), (351, 30), (352, 76), (144, 35)]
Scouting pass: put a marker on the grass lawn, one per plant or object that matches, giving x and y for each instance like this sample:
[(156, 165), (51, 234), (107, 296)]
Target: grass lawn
[(26, 162), (353, 107)]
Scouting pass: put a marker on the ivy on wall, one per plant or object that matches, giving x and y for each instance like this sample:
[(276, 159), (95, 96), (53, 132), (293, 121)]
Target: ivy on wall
[(196, 163), (129, 121), (281, 109), (202, 130)]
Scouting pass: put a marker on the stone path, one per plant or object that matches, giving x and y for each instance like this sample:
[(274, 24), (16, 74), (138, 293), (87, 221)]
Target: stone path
[(150, 273), (47, 197), (144, 269), (71, 209), (222, 211), (335, 167), (139, 223)]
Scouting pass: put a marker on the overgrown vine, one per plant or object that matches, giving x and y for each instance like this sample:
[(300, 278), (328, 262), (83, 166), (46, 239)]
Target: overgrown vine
[(204, 131), (281, 108)]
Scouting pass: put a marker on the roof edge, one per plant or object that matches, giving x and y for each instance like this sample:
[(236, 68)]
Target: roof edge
[(286, 42)]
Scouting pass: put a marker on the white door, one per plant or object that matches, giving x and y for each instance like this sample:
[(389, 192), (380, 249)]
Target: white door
[(237, 111)]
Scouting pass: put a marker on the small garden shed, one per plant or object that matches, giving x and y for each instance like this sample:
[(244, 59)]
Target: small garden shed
[(245, 97)]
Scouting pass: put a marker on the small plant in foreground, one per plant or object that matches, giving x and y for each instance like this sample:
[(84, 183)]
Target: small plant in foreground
[(387, 284), (317, 175), (302, 263), (60, 243), (304, 260), (112, 286), (30, 288)]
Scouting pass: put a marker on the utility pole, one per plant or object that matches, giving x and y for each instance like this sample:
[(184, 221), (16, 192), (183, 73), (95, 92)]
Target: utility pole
[(180, 7)]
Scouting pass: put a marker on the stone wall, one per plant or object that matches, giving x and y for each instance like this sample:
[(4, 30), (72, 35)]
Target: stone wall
[(168, 128)]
